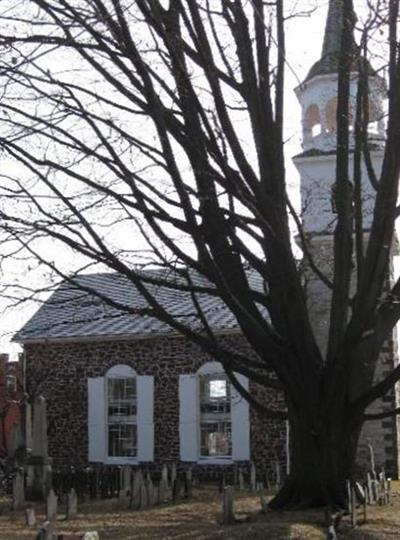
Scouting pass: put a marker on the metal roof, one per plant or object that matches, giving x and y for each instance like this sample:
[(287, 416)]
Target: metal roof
[(72, 313)]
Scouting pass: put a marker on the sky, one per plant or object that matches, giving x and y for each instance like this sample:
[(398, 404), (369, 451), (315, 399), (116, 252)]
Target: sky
[(304, 42)]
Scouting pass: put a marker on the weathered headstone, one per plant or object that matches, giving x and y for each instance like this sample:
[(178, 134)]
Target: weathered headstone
[(136, 487), (176, 487), (47, 478), (51, 506), (164, 475), (163, 490), (144, 502), (126, 479), (331, 528), (241, 479), (389, 490), (173, 474), (264, 504), (151, 493), (30, 517), (18, 490), (253, 477), (90, 535), (72, 504), (188, 482), (28, 427), (39, 464), (47, 531), (228, 516), (370, 489), (39, 436)]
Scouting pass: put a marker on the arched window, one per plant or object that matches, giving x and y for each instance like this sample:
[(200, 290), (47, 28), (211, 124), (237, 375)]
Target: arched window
[(120, 417), (121, 398), (215, 415), (331, 113), (312, 120), (214, 421)]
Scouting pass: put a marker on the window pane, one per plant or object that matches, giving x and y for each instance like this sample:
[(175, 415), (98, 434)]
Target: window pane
[(215, 439), (214, 395), (122, 440), (218, 388), (121, 397)]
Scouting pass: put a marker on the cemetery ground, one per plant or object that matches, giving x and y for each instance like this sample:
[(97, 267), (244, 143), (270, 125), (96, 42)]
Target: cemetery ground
[(200, 518)]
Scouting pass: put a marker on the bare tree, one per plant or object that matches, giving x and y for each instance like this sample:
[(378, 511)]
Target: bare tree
[(161, 123)]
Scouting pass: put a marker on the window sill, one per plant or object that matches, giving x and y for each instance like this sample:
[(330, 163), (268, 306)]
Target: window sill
[(121, 461), (215, 461)]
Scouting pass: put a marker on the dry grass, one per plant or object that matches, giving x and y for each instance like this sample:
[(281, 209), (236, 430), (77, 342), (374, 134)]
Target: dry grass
[(199, 519)]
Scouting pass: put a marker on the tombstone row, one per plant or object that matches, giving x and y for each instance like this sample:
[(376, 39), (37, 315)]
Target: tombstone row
[(114, 482), (52, 508)]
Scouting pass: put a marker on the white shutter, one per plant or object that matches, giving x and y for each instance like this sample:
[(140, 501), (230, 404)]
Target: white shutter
[(145, 415), (240, 422), (96, 419), (188, 418)]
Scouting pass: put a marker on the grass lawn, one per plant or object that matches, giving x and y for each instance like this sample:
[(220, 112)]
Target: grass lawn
[(199, 518)]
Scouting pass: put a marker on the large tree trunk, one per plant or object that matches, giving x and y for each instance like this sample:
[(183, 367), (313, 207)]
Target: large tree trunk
[(321, 461)]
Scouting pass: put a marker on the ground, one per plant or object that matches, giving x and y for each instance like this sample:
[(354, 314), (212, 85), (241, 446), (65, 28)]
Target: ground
[(199, 519)]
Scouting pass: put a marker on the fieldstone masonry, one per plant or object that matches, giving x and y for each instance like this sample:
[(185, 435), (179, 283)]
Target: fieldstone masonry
[(381, 434), (69, 365)]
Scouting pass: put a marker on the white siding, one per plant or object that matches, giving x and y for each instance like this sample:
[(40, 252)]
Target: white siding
[(96, 419), (145, 418), (188, 417)]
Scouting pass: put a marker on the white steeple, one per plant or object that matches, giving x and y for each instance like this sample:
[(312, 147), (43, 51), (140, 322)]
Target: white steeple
[(318, 99)]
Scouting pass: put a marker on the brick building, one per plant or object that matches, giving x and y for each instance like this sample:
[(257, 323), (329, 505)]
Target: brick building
[(10, 405)]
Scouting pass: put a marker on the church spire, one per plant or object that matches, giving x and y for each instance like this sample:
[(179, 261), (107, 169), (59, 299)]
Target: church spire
[(328, 63)]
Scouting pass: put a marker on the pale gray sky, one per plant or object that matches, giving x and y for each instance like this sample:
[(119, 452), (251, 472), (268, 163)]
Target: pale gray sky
[(304, 41)]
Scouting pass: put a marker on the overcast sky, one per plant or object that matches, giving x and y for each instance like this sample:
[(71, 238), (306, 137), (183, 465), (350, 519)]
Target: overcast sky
[(304, 41)]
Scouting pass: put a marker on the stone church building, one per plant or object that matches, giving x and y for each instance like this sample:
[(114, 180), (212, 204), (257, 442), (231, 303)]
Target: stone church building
[(124, 389)]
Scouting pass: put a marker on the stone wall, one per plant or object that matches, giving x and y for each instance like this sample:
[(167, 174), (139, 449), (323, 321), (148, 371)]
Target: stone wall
[(383, 435), (60, 373)]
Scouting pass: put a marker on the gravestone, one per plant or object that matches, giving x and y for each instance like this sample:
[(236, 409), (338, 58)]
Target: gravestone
[(241, 479), (164, 475), (144, 502), (253, 477), (90, 535), (39, 464), (173, 474), (126, 483), (39, 435), (72, 504), (51, 506), (151, 494), (163, 490), (136, 487), (188, 483), (18, 490), (228, 517), (30, 517), (28, 427), (47, 531), (264, 504)]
